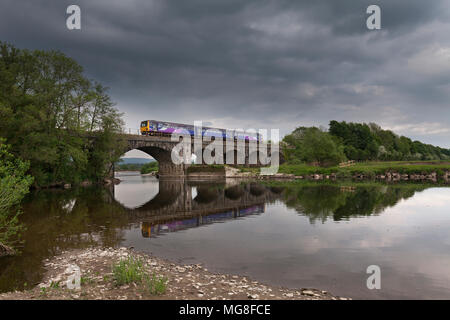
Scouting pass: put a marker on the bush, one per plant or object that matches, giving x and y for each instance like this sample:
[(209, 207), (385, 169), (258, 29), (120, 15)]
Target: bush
[(150, 167), (14, 185), (313, 145)]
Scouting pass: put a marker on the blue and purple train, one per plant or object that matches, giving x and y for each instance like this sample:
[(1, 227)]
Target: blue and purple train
[(154, 127)]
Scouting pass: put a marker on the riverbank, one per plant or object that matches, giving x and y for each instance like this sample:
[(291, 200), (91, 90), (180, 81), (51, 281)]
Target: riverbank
[(384, 171), (97, 281)]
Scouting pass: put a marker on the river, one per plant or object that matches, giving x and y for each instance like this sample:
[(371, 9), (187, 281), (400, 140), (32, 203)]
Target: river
[(306, 234)]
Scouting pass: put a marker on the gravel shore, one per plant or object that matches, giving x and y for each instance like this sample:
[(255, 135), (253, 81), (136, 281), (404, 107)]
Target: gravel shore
[(183, 281)]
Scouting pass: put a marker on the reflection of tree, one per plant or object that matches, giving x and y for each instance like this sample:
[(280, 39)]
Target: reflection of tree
[(207, 194), (58, 220), (322, 202)]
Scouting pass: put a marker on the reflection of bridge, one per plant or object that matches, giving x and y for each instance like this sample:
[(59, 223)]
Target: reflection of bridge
[(160, 148), (179, 199)]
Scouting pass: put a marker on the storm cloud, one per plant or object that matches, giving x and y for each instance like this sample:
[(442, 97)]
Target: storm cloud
[(259, 64)]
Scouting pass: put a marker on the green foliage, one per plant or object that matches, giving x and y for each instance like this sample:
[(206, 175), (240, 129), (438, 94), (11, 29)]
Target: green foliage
[(128, 270), (150, 167), (128, 166), (313, 145), (370, 142), (355, 141), (156, 285), (14, 185), (369, 169), (132, 270), (196, 168), (65, 125), (321, 202)]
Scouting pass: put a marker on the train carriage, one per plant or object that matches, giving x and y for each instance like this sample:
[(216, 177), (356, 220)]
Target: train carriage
[(162, 128)]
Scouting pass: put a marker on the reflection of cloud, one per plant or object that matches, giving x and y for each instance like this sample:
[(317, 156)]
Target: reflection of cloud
[(401, 231), (435, 198), (135, 190)]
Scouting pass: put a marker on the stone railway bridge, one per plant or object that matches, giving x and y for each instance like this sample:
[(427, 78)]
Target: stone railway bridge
[(160, 148)]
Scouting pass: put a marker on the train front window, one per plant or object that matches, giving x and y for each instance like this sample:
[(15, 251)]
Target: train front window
[(143, 123)]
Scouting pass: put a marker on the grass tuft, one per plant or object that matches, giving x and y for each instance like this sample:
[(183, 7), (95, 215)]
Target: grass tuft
[(132, 270), (128, 271)]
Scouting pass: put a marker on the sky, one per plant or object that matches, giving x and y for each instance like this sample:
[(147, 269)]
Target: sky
[(256, 63)]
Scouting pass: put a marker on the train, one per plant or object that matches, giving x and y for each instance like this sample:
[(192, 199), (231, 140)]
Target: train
[(150, 230), (162, 128)]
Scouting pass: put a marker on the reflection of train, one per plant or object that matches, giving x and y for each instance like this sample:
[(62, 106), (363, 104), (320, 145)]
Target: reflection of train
[(153, 127), (148, 229)]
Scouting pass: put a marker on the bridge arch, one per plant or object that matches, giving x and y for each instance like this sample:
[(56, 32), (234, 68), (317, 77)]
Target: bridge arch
[(161, 152)]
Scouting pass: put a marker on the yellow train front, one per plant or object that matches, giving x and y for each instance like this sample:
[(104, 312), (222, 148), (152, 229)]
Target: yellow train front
[(145, 128)]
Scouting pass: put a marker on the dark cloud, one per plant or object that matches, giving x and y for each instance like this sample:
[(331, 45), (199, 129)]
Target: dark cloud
[(255, 63)]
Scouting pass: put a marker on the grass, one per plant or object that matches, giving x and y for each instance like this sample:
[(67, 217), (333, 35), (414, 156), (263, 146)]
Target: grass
[(370, 168), (206, 168), (55, 285), (86, 280), (128, 271), (156, 285), (346, 183), (132, 270)]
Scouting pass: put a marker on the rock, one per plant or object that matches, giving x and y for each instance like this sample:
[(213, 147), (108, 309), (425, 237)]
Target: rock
[(308, 293), (6, 251), (253, 296), (67, 186)]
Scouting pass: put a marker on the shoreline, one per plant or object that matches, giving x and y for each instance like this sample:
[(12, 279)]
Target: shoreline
[(184, 281)]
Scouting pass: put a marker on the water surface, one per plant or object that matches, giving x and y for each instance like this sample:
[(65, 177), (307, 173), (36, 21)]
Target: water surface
[(301, 235)]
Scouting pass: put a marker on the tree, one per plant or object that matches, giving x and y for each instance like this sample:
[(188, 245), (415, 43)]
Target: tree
[(65, 125), (314, 145), (14, 185), (363, 142)]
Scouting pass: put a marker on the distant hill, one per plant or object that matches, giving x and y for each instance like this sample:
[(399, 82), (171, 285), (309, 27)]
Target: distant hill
[(135, 160)]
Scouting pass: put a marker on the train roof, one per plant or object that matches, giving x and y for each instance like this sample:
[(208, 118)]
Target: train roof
[(189, 125)]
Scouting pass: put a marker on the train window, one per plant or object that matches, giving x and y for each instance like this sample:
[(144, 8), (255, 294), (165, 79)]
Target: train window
[(143, 123)]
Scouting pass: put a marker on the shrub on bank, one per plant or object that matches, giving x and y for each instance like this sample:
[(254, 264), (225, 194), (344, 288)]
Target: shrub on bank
[(150, 167)]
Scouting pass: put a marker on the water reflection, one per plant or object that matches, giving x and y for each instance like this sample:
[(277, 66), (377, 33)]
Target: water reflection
[(56, 220), (151, 229), (137, 190), (322, 202), (296, 235)]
